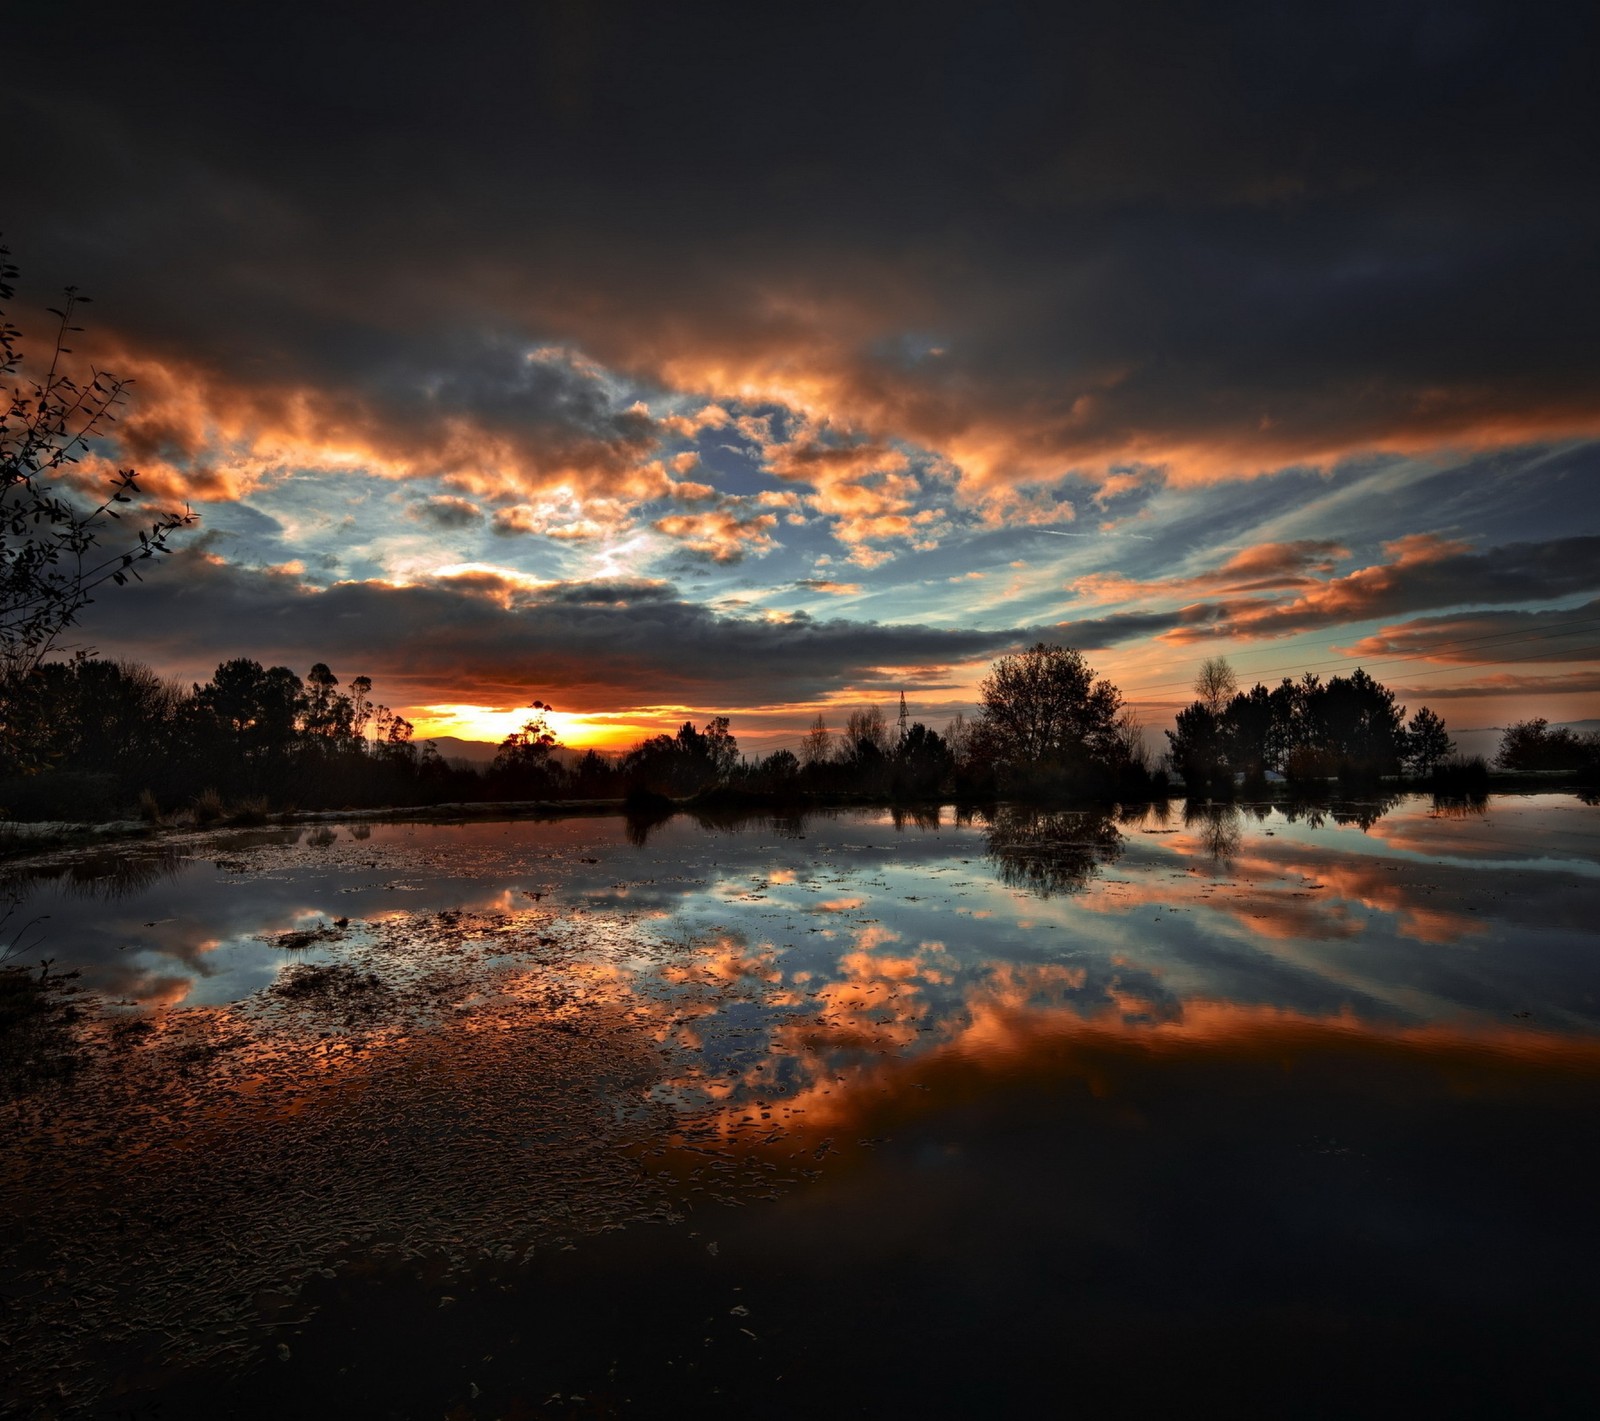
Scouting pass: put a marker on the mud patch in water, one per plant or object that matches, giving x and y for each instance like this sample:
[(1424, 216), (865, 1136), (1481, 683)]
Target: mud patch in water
[(455, 1092)]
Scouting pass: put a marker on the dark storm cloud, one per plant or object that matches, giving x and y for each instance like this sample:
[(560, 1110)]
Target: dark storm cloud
[(486, 638), (1100, 633), (1422, 572), (1226, 236), (1425, 572), (482, 635), (1555, 634), (554, 413)]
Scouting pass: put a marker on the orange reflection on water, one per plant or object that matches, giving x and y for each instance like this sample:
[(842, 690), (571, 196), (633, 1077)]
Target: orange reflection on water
[(1017, 1026)]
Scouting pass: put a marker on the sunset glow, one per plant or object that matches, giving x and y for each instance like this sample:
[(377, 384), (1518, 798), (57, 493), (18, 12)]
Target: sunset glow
[(581, 732)]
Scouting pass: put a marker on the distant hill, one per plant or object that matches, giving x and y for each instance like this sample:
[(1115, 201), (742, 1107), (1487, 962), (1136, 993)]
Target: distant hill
[(475, 752)]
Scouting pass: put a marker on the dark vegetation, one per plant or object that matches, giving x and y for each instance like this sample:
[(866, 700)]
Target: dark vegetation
[(92, 738), (103, 739), (1533, 747), (1346, 729), (62, 534)]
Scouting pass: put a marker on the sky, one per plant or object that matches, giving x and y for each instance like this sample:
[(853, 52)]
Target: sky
[(659, 362)]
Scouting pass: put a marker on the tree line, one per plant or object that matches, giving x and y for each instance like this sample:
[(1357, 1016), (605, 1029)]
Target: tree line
[(91, 738), (1347, 728), (86, 737)]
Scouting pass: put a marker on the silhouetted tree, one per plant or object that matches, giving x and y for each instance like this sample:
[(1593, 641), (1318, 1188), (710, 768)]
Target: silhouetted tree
[(1246, 726), (1045, 714), (721, 748), (392, 744), (922, 761), (52, 553), (523, 768), (1356, 721), (780, 769), (1427, 743), (682, 764), (255, 710), (866, 736), (818, 743), (1349, 726), (1215, 683), (1197, 750), (594, 777)]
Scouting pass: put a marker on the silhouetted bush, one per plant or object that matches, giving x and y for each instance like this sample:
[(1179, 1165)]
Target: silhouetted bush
[(1460, 776), (1533, 746)]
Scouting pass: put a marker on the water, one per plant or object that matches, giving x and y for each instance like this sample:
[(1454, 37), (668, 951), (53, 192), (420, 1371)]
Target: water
[(1233, 1111)]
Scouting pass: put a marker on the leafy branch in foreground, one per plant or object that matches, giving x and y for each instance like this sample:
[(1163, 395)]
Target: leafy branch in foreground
[(52, 554)]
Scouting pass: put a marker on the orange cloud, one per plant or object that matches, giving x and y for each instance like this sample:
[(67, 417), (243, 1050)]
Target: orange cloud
[(722, 535), (517, 422)]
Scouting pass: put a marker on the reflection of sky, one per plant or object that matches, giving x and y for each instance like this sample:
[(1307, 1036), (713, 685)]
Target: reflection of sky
[(987, 1047), (878, 937)]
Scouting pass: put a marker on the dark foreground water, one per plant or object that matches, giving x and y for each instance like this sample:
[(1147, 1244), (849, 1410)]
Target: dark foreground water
[(1226, 1113)]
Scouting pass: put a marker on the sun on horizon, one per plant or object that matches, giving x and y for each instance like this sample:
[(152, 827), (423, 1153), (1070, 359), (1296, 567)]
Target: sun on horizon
[(491, 725)]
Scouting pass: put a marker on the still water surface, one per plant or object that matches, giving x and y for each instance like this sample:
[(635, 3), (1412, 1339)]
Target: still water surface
[(1233, 1111)]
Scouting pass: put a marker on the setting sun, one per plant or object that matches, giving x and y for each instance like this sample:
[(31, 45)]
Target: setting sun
[(489, 723)]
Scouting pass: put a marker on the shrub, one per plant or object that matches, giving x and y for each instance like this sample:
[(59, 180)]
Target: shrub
[(254, 810), (1460, 776)]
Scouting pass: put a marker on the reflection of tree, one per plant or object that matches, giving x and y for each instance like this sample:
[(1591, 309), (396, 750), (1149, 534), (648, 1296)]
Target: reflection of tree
[(1136, 816), (1218, 825), (1365, 813), (1361, 813), (923, 818), (108, 876), (787, 824), (1048, 852), (1460, 806), (642, 821)]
